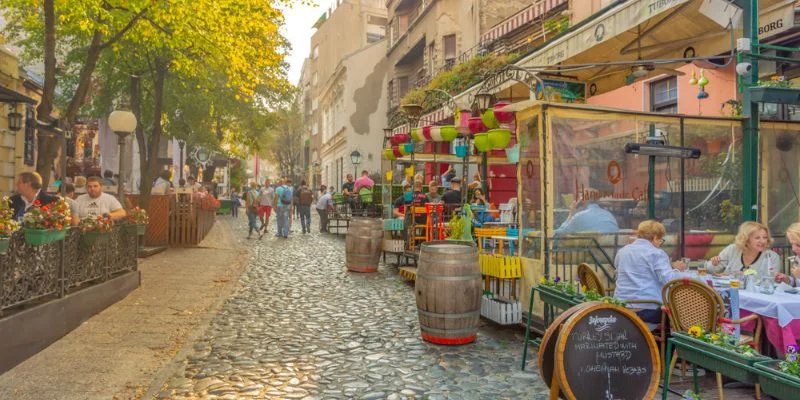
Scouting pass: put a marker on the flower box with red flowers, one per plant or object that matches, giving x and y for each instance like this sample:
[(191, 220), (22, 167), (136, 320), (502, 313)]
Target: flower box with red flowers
[(95, 230), (47, 223), (137, 221), (7, 224)]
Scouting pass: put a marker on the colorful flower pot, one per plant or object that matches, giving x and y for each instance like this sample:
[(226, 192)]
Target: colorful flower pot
[(396, 152), (512, 155), (448, 133), (499, 138), (461, 150), (400, 138), (462, 122), (482, 142), (476, 125), (416, 135), (89, 239), (489, 120), (406, 148), (38, 237), (436, 133), (389, 154), (503, 117), (426, 132)]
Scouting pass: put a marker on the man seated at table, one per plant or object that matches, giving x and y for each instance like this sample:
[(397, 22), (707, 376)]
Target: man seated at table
[(453, 195), (643, 268), (588, 216), (751, 249), (29, 190), (97, 203)]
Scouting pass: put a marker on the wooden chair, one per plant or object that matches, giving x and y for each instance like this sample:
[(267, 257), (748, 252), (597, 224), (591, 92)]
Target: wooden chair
[(589, 278), (417, 231), (688, 303)]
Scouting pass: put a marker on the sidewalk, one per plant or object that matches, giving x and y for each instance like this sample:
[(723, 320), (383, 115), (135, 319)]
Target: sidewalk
[(118, 353)]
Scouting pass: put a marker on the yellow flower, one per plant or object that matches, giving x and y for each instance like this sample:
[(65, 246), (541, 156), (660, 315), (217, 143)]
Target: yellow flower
[(714, 337), (696, 331), (542, 280), (583, 288)]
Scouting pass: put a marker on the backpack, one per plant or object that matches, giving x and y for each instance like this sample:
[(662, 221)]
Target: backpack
[(286, 195), (304, 196)]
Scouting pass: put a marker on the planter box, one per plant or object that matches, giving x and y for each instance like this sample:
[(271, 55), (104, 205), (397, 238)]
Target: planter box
[(4, 241), (775, 382), (761, 94), (134, 229), (504, 313), (89, 239), (38, 237), (715, 358), (557, 298)]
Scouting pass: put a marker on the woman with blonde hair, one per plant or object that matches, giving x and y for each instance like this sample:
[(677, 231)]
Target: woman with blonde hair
[(643, 268), (793, 236), (751, 249)]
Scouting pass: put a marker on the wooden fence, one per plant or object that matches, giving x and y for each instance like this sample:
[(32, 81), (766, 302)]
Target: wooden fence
[(175, 220), (157, 233)]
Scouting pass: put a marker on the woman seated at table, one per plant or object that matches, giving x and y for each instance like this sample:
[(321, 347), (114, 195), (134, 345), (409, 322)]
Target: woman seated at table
[(643, 268), (793, 236), (750, 250), (478, 199)]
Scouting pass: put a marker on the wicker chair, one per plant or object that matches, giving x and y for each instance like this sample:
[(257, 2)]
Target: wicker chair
[(589, 278), (688, 303)]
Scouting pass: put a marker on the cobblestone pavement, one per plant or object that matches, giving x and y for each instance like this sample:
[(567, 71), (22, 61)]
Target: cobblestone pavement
[(301, 327)]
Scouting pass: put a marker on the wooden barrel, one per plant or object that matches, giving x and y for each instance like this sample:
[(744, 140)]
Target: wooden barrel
[(448, 289), (363, 244)]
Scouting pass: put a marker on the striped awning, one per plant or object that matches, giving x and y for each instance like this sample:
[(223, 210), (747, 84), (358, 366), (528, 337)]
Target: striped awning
[(520, 19)]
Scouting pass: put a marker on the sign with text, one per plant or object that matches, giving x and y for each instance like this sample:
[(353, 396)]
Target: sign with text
[(606, 352)]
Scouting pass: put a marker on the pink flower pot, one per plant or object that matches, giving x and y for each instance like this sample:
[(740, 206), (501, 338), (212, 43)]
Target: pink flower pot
[(462, 122), (476, 125), (503, 117), (400, 138), (426, 132), (396, 152)]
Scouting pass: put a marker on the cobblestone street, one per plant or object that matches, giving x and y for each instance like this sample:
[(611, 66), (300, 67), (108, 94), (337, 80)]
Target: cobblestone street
[(300, 326)]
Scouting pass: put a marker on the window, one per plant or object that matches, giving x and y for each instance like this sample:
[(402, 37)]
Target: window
[(373, 37), (449, 48), (664, 95), (431, 58), (402, 86), (315, 79), (315, 53)]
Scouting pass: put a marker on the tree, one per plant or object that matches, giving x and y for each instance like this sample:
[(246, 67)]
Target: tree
[(82, 30), (284, 141)]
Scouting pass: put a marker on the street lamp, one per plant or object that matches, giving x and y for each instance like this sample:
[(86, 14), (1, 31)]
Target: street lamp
[(123, 123), (355, 158), (484, 101), (14, 119)]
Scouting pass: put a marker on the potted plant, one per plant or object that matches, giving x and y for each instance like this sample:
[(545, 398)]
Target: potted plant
[(7, 224), (558, 293), (389, 154), (95, 230), (489, 120), (482, 142), (448, 133), (778, 378), (137, 221), (499, 138), (47, 223), (775, 90)]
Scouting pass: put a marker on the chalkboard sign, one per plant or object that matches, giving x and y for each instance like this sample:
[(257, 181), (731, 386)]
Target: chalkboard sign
[(606, 352), (547, 348)]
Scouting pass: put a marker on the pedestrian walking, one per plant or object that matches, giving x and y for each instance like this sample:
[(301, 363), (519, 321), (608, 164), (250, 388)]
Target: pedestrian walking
[(283, 205), (305, 196), (324, 204), (234, 203), (251, 203), (265, 203)]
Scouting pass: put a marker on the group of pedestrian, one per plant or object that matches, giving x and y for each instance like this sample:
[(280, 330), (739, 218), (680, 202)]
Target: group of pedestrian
[(281, 197)]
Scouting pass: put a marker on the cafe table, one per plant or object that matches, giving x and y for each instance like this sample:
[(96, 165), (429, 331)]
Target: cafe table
[(779, 311), (500, 243)]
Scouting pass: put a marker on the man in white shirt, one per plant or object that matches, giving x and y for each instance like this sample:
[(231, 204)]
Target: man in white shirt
[(193, 184), (265, 202), (162, 184), (97, 203)]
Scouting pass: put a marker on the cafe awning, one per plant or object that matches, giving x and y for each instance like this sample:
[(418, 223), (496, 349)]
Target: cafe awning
[(10, 96), (636, 30)]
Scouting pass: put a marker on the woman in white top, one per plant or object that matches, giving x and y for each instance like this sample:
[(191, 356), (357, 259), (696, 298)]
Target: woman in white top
[(793, 236), (750, 250)]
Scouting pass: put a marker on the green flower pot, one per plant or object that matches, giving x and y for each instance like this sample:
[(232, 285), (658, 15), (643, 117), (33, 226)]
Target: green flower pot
[(499, 138), (389, 154), (89, 239), (38, 237), (4, 241), (763, 94), (416, 135), (448, 133), (482, 142), (557, 298), (727, 362), (489, 119), (775, 382), (134, 229)]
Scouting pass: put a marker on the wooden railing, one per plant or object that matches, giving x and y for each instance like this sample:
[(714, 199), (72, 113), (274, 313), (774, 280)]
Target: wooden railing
[(189, 223)]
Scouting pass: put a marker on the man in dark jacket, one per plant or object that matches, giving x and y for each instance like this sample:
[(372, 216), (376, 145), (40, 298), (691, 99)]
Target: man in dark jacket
[(29, 189)]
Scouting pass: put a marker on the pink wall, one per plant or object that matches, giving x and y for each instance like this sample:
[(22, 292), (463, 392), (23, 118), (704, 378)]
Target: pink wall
[(636, 97)]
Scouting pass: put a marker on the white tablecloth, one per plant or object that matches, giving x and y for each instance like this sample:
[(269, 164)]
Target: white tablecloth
[(784, 307)]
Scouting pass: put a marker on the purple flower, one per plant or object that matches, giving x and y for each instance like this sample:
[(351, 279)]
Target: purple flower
[(792, 349), (558, 279), (791, 357)]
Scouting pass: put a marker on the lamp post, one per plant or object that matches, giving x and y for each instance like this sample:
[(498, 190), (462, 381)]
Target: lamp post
[(181, 145), (483, 102), (355, 158), (123, 123)]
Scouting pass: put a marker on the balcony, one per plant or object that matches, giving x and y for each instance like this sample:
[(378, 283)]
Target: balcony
[(405, 17)]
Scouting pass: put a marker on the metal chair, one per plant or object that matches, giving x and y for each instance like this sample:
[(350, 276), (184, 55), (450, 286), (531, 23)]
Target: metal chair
[(690, 303)]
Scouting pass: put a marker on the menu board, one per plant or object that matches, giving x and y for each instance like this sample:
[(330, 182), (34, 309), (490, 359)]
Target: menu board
[(606, 352)]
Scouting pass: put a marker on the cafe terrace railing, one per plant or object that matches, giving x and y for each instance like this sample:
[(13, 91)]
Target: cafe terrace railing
[(37, 274)]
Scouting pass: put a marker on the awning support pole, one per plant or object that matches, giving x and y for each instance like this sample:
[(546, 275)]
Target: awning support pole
[(751, 114), (651, 181)]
